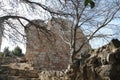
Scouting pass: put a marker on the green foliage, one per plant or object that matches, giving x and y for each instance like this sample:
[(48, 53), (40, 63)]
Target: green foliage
[(1, 54), (17, 52), (92, 4), (6, 52)]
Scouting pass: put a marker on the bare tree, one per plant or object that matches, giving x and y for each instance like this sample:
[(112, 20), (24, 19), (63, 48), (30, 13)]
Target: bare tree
[(83, 17), (91, 21)]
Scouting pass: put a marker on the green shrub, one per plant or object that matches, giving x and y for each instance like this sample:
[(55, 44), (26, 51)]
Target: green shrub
[(17, 52), (6, 52), (1, 54)]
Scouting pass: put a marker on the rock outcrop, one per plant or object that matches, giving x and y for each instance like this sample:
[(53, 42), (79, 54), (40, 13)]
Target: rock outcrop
[(47, 48), (103, 64)]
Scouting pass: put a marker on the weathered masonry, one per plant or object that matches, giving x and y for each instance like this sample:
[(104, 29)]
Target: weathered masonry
[(46, 49)]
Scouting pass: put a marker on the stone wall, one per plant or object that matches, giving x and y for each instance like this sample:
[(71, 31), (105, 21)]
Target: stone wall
[(8, 60), (46, 49)]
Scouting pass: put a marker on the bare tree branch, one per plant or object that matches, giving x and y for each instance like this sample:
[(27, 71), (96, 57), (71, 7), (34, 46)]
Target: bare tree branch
[(103, 25), (50, 10)]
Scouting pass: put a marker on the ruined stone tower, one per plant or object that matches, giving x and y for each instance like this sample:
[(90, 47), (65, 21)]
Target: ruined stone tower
[(47, 49)]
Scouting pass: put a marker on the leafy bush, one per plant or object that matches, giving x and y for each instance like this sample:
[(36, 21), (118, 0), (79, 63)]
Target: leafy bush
[(1, 54), (17, 52), (6, 52)]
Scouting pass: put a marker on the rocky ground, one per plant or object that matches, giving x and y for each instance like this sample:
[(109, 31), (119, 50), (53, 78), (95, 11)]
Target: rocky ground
[(23, 71)]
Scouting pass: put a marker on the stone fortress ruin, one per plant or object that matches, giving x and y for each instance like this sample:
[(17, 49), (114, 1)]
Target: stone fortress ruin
[(47, 49)]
